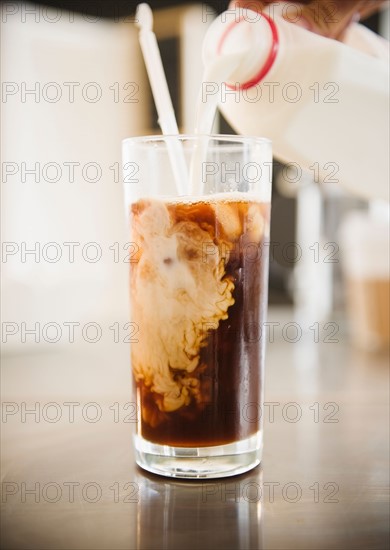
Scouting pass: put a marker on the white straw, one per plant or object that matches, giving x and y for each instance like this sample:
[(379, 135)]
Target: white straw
[(162, 99)]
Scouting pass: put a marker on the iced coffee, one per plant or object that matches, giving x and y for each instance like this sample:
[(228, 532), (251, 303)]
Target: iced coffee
[(198, 286)]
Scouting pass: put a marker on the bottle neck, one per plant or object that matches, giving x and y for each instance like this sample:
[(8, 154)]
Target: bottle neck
[(268, 57)]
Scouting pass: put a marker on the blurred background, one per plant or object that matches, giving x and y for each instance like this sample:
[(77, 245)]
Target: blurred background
[(74, 85)]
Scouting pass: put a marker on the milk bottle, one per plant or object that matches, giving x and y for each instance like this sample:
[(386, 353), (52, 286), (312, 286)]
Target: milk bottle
[(324, 104)]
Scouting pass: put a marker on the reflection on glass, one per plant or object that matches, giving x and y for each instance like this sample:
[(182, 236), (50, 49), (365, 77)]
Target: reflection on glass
[(203, 514)]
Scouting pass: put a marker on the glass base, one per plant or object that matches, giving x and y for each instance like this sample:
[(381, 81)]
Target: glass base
[(200, 462)]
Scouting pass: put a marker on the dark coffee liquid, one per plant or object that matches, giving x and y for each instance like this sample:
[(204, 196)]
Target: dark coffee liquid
[(223, 386)]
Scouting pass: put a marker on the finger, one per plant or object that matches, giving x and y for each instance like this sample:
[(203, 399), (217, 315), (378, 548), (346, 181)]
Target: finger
[(371, 7), (320, 16), (330, 18)]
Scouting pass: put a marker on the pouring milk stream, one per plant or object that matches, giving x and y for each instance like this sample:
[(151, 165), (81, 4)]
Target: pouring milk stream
[(324, 105)]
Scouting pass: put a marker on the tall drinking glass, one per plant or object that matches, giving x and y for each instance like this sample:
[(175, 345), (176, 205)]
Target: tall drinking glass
[(198, 299)]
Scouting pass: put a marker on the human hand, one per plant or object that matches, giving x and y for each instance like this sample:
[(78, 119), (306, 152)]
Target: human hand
[(325, 17)]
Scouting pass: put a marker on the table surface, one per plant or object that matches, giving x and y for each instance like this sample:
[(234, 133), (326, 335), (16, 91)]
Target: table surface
[(69, 480)]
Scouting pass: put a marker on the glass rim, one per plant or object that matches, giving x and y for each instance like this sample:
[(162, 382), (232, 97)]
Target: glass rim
[(161, 138)]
